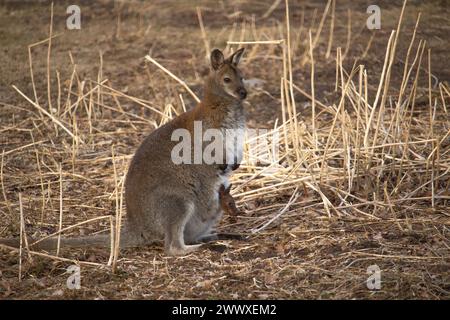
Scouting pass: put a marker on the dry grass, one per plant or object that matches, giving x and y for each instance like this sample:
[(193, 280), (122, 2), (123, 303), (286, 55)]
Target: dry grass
[(361, 178)]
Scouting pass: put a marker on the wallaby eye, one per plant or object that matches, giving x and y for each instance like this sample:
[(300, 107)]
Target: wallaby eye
[(227, 80)]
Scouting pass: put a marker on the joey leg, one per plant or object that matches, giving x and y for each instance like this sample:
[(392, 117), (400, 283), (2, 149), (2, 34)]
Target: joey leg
[(222, 236)]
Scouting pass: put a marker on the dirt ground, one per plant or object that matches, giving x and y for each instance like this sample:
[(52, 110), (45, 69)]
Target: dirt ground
[(306, 254)]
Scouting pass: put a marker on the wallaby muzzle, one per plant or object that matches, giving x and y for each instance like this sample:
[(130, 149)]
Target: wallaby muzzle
[(242, 93)]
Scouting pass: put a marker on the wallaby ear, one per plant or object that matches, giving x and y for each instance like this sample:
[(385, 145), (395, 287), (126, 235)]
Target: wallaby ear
[(217, 59), (236, 57), (229, 188)]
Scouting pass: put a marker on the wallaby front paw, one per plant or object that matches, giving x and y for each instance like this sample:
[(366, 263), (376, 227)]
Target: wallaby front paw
[(223, 167), (235, 166)]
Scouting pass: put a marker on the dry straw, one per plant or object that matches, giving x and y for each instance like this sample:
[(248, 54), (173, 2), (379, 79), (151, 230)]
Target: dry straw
[(360, 157)]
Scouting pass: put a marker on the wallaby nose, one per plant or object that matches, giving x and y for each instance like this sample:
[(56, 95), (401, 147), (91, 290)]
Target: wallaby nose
[(242, 93)]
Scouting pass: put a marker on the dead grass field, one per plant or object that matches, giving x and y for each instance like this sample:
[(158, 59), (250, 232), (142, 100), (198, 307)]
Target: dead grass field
[(364, 174)]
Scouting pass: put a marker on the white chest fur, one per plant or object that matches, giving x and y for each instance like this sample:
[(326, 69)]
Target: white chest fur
[(234, 143)]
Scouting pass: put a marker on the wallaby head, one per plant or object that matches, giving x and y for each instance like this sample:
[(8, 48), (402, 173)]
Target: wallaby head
[(226, 201), (226, 79)]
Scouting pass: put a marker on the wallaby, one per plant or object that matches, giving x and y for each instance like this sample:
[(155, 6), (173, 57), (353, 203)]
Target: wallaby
[(178, 204), (227, 202)]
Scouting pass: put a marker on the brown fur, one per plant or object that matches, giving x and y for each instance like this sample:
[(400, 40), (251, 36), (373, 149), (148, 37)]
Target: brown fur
[(180, 203), (227, 203), (177, 204)]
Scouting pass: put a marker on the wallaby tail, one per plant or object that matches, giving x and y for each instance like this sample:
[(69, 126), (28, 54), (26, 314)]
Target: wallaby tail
[(100, 241)]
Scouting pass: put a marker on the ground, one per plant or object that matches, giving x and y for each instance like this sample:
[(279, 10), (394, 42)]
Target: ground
[(391, 213)]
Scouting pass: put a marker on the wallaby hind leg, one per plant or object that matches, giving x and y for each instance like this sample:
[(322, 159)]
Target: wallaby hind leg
[(180, 213)]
